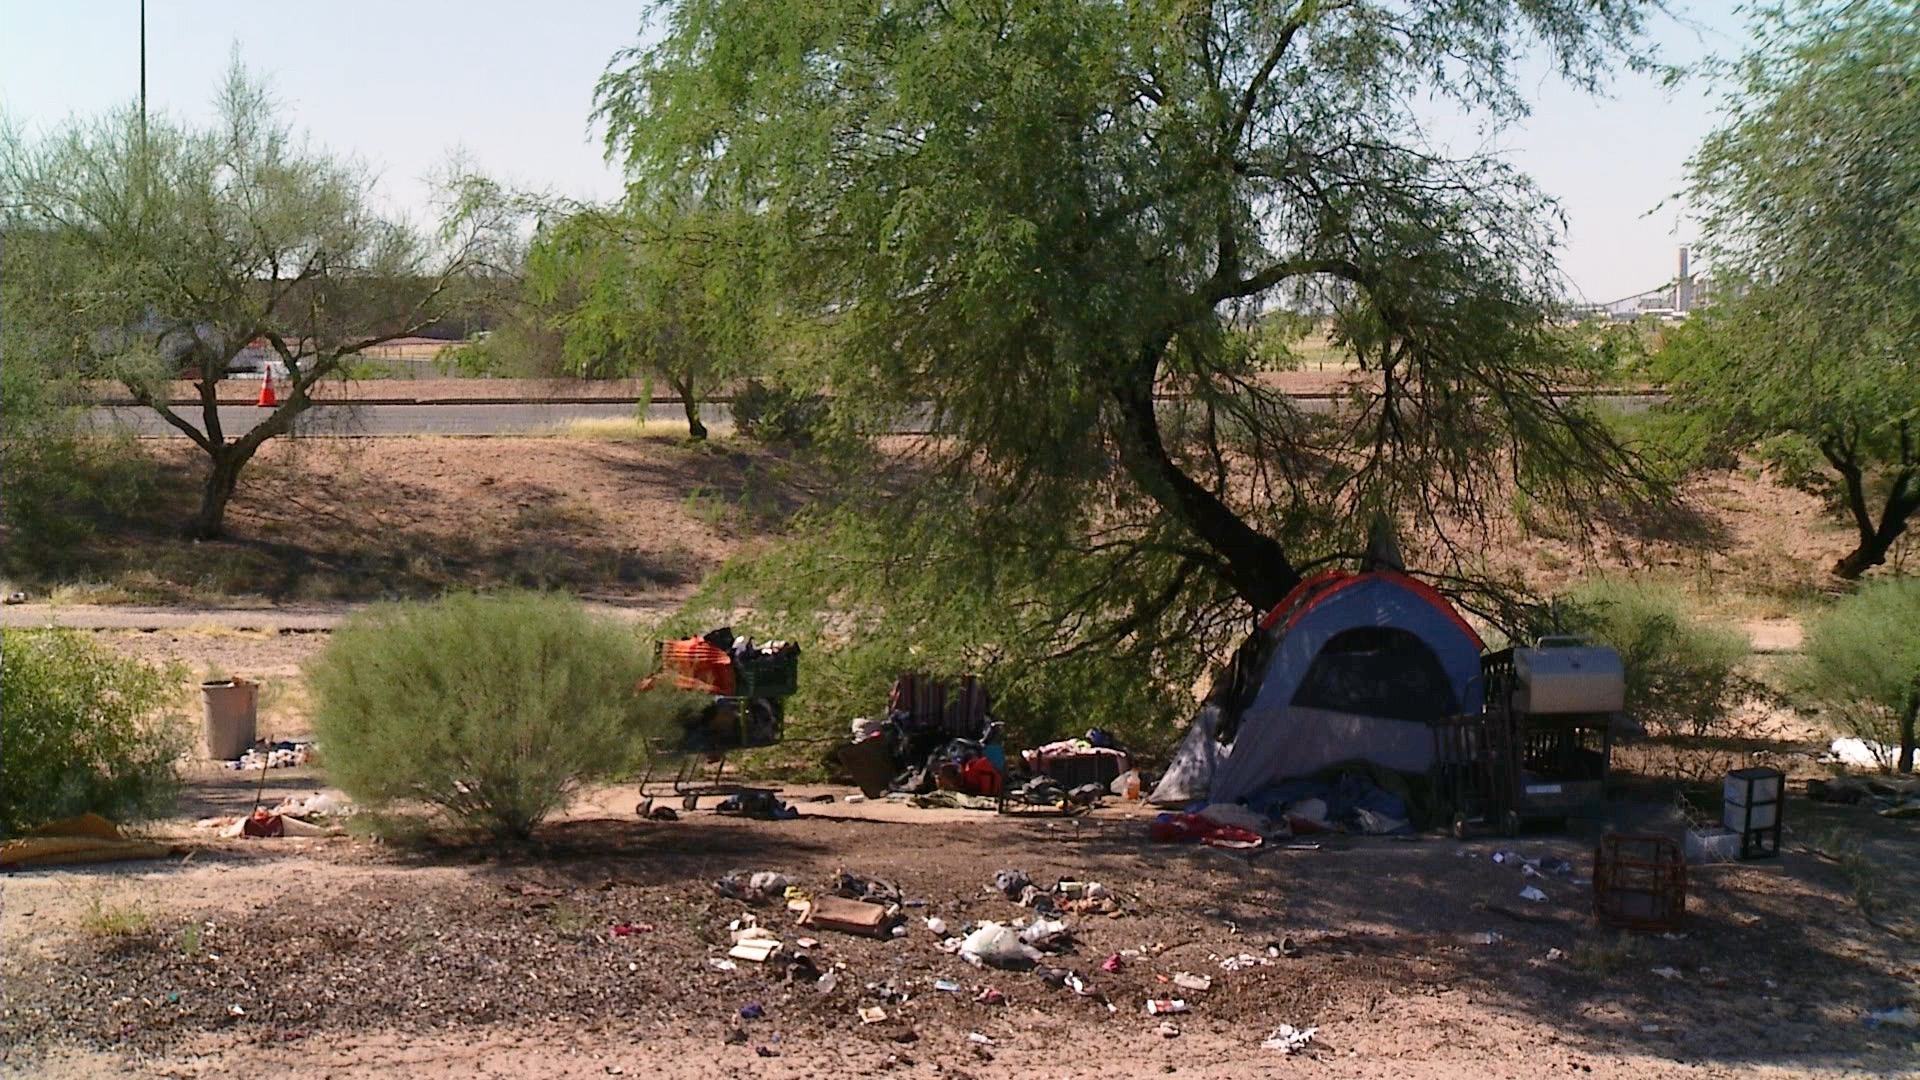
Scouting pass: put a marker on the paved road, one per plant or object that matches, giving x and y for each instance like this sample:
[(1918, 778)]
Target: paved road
[(509, 418), (504, 418)]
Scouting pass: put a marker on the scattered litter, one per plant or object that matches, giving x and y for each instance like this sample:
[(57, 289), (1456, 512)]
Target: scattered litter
[(1667, 972), (1111, 964), (848, 916), (1164, 1006), (235, 1010), (1650, 1029), (873, 1014), (720, 964), (766, 1051), (756, 950), (1049, 935), (1286, 1038), (319, 804), (807, 942), (752, 1012), (1188, 981), (946, 986), (937, 925), (1902, 1017), (1244, 961), (856, 799), (999, 946), (1556, 954), (279, 755), (978, 1039), (873, 890), (1168, 1030), (1486, 937), (1533, 894), (989, 996), (736, 1037), (1012, 882), (629, 929), (752, 888)]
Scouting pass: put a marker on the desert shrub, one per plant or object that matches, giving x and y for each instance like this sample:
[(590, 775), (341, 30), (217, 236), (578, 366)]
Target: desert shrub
[(1682, 671), (492, 708), (82, 729), (779, 415), (60, 480), (1861, 663)]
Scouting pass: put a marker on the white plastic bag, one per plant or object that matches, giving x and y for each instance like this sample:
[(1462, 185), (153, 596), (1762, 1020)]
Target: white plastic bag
[(999, 946)]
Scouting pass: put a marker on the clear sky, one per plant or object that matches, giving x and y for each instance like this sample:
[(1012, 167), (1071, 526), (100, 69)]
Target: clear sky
[(402, 83)]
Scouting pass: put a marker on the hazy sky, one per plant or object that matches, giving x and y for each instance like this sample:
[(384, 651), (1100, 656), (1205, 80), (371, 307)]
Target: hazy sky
[(402, 83)]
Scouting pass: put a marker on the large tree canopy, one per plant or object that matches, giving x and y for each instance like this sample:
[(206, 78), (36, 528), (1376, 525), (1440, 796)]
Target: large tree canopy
[(142, 251), (1045, 220), (647, 290), (1811, 194)]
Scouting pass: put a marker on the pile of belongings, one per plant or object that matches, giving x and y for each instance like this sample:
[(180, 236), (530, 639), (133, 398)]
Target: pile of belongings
[(278, 755), (759, 805), (1046, 791), (936, 736), (1358, 798), (728, 669), (1095, 759), (1365, 799)]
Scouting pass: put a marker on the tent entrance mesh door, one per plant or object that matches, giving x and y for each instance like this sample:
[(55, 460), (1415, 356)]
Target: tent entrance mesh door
[(1379, 671)]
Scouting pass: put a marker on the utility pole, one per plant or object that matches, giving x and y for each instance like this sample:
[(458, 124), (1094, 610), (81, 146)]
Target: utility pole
[(143, 73)]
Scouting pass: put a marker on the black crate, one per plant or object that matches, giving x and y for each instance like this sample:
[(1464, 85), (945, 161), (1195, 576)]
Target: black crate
[(1073, 770)]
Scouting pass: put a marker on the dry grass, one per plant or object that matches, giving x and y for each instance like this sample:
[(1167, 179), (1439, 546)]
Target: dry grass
[(113, 919), (625, 428)]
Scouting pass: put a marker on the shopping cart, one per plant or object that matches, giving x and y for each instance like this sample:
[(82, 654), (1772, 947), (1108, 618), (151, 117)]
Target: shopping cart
[(746, 689)]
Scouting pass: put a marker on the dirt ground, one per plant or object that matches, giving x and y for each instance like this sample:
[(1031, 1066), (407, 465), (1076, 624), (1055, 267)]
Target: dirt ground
[(357, 519), (345, 956)]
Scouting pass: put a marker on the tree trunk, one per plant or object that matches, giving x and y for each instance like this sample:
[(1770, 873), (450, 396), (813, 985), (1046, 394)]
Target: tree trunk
[(1253, 564), (690, 403), (1907, 724), (1876, 538), (223, 475)]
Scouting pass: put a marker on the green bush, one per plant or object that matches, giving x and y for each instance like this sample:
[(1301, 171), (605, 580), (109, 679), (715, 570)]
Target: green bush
[(82, 729), (1683, 672), (493, 708), (778, 415), (1861, 663)]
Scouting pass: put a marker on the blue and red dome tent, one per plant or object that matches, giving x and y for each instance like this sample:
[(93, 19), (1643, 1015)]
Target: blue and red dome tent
[(1349, 667)]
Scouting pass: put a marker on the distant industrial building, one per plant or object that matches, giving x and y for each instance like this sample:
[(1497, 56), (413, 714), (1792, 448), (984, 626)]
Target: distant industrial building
[(1671, 302)]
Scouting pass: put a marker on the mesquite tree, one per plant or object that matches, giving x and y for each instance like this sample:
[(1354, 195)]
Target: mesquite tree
[(1809, 188), (1046, 220), (149, 250)]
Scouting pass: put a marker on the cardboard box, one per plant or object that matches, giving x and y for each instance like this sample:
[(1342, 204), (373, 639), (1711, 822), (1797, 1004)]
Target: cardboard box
[(846, 916)]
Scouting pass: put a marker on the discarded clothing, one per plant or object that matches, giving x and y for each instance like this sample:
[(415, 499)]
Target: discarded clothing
[(1175, 828), (955, 800), (759, 805)]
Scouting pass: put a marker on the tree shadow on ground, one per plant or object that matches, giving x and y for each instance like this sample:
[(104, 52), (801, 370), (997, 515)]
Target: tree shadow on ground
[(1775, 962)]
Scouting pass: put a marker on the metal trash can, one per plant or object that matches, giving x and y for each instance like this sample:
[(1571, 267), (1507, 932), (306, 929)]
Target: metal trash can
[(231, 707)]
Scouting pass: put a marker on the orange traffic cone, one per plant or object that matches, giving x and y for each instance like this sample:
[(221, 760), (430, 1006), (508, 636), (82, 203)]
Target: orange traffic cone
[(268, 399)]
